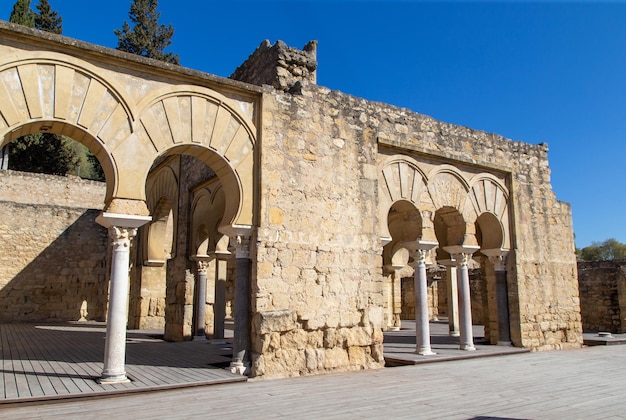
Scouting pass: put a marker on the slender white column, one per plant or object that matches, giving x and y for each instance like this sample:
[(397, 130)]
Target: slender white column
[(122, 229), (422, 327), (202, 264), (461, 255), (219, 311), (240, 363)]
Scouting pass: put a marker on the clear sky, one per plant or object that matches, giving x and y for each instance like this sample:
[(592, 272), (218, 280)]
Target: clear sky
[(537, 72)]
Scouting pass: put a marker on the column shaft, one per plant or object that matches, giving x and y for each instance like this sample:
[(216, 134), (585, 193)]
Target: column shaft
[(466, 338), (241, 342), (219, 310), (453, 301), (115, 344), (502, 296), (202, 266), (422, 327)]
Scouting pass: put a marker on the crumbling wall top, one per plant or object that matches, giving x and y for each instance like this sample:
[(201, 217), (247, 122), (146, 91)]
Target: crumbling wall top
[(279, 66)]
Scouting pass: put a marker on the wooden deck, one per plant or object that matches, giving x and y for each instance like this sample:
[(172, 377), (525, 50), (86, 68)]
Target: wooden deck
[(50, 361)]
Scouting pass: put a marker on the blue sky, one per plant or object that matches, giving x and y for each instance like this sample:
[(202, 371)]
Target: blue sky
[(537, 72)]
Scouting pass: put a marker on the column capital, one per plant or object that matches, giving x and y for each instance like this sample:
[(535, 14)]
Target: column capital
[(202, 262), (497, 257), (461, 253)]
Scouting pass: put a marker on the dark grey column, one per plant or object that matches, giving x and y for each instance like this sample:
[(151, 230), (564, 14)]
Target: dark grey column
[(502, 299), (202, 263), (219, 307), (241, 343)]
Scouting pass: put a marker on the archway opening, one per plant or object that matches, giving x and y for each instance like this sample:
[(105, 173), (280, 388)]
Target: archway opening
[(53, 221), (405, 226)]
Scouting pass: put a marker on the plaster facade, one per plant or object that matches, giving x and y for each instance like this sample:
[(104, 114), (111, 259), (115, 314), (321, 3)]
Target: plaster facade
[(293, 208)]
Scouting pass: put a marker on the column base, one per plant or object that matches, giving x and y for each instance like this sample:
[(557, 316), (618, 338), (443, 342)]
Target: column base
[(199, 338), (425, 352), (455, 334), (115, 379), (504, 343), (239, 368), (467, 347)]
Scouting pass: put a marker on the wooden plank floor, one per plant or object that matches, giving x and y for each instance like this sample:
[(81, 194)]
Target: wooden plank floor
[(49, 361)]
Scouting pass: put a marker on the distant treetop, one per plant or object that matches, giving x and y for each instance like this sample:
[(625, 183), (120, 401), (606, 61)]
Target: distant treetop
[(22, 14), (610, 249), (146, 38)]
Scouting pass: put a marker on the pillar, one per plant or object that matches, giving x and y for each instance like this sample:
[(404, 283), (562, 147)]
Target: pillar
[(241, 342), (122, 229), (219, 308), (422, 326), (453, 297), (396, 297), (461, 255), (498, 259), (202, 265)]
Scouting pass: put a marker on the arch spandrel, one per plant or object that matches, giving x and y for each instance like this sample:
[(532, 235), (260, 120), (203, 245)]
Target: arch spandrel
[(400, 178), (489, 195), (204, 124), (54, 86), (447, 187)]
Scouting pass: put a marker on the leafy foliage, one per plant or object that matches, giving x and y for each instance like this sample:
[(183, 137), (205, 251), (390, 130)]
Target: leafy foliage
[(44, 153), (610, 249), (47, 19), (22, 14), (147, 38)]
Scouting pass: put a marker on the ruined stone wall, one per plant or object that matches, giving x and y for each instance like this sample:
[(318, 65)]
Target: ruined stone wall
[(601, 285), (318, 289), (279, 66), (318, 286), (52, 256)]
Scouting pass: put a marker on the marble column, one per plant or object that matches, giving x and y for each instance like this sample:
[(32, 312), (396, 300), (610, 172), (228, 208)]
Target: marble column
[(420, 249), (498, 260), (241, 342), (122, 229), (202, 265), (462, 254), (219, 308)]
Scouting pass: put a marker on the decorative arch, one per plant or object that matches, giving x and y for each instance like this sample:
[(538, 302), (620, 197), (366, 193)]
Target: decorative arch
[(204, 124), (162, 199), (63, 95), (448, 187), (489, 196), (399, 179)]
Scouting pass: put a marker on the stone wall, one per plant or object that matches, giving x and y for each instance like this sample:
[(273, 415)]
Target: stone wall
[(603, 295), (52, 256), (318, 291)]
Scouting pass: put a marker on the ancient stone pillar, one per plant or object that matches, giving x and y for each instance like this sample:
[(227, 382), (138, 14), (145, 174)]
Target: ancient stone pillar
[(241, 343), (422, 326), (219, 308), (420, 249), (498, 259), (462, 254), (122, 229), (202, 265)]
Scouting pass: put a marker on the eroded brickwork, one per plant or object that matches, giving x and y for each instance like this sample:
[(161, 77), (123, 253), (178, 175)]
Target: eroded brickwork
[(52, 256), (603, 295)]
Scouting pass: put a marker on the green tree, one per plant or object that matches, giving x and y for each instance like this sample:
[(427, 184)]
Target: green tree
[(22, 14), (47, 19), (44, 153), (146, 38), (610, 249)]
